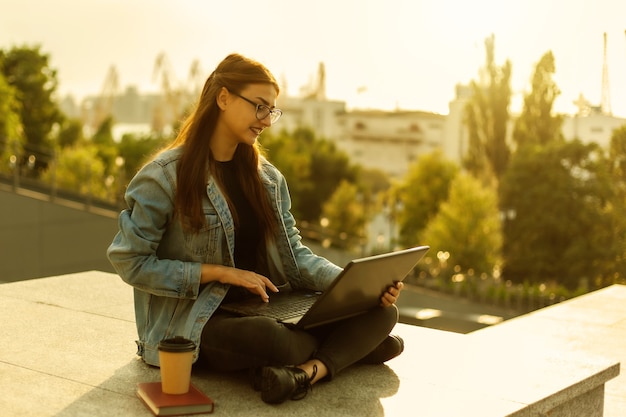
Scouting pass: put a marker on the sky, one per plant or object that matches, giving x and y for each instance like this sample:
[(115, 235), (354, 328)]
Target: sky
[(380, 54)]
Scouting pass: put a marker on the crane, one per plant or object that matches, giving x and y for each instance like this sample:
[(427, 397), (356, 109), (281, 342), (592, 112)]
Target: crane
[(196, 80), (168, 109), (316, 89), (103, 105), (605, 105)]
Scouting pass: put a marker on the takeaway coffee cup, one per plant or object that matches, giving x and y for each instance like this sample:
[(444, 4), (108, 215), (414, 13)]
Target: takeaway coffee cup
[(176, 357)]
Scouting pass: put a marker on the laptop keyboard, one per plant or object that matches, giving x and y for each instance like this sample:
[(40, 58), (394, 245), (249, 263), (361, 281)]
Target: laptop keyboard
[(293, 308), (280, 309)]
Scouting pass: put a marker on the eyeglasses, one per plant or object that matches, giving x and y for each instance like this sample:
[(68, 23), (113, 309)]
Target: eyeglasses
[(262, 111)]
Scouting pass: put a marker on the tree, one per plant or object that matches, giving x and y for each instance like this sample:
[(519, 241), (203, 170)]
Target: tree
[(27, 70), (345, 216), (79, 169), (561, 223), (422, 190), (374, 180), (487, 114), (329, 167), (106, 146), (313, 167), (536, 124), (467, 227), (70, 133), (286, 152), (11, 129), (617, 159), (617, 166), (136, 150)]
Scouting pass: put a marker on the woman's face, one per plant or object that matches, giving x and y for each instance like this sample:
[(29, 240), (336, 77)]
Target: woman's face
[(238, 118)]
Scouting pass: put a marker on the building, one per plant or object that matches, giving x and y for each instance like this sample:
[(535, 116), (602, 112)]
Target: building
[(591, 127), (455, 138), (390, 141), (321, 116)]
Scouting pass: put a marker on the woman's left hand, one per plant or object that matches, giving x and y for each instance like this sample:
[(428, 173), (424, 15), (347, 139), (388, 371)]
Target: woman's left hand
[(390, 296)]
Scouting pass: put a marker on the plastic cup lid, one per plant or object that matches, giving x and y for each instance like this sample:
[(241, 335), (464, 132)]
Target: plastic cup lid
[(177, 344)]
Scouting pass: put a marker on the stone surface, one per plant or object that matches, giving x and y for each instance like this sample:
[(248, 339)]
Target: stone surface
[(67, 349)]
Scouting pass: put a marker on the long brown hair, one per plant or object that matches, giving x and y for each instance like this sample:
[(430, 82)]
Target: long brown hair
[(235, 72)]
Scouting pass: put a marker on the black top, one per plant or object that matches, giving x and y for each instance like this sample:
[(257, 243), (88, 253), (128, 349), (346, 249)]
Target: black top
[(247, 230)]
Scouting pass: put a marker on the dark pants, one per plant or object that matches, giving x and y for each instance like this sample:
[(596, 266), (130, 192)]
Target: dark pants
[(231, 343)]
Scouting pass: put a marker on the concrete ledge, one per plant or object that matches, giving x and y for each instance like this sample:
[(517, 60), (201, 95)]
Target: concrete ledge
[(588, 327), (67, 349)]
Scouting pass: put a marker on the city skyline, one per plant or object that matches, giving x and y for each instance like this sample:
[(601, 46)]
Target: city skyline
[(377, 54)]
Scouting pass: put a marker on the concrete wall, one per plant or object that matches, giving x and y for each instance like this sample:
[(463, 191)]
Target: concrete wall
[(40, 238)]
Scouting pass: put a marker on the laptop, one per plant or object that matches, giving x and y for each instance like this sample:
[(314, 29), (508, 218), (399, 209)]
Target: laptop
[(356, 289)]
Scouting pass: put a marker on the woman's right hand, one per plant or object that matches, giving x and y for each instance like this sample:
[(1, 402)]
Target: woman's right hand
[(253, 282)]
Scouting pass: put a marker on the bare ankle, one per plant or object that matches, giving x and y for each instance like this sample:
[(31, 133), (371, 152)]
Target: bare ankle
[(315, 369)]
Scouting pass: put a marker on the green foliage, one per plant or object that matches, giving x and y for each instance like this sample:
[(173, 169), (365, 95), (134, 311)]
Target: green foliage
[(345, 215), (373, 185), (536, 124), (79, 169), (103, 138), (329, 167), (314, 168), (11, 136), (107, 148), (99, 167), (617, 167), (70, 134), (617, 158), (27, 70), (487, 115), (467, 227), (286, 152), (563, 224), (421, 191), (374, 181), (136, 150)]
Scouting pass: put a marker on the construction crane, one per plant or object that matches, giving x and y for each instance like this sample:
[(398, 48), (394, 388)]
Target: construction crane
[(605, 104), (196, 81), (102, 107), (316, 89), (168, 110)]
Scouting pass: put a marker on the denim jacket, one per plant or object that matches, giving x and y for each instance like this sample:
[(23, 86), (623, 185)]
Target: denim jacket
[(162, 261)]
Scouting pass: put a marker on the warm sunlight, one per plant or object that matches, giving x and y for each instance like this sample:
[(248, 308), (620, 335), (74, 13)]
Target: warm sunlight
[(377, 54)]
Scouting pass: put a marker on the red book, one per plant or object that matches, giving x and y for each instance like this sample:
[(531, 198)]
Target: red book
[(193, 402)]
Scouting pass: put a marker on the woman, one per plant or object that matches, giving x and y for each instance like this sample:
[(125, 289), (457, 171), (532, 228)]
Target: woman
[(208, 220)]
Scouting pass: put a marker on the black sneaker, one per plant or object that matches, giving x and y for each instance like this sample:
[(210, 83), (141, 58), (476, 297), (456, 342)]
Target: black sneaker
[(280, 383), (389, 348)]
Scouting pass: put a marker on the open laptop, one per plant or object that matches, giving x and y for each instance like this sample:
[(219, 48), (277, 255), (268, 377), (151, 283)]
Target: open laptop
[(356, 289)]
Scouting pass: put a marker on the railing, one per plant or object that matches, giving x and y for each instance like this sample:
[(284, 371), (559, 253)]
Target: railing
[(19, 184)]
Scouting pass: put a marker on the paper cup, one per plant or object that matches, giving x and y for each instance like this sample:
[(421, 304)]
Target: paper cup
[(175, 358)]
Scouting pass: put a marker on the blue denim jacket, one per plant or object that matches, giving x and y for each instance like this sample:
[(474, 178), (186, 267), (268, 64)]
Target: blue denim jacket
[(162, 262)]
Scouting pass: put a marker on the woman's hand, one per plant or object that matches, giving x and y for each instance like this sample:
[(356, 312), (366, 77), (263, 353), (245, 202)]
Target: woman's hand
[(390, 296), (253, 282)]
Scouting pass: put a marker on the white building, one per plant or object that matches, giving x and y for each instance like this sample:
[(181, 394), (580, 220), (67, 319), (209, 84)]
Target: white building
[(390, 140), (455, 138), (592, 127), (321, 116), (385, 140)]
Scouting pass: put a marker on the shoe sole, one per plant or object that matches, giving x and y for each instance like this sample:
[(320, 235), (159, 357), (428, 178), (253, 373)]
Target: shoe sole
[(268, 381)]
